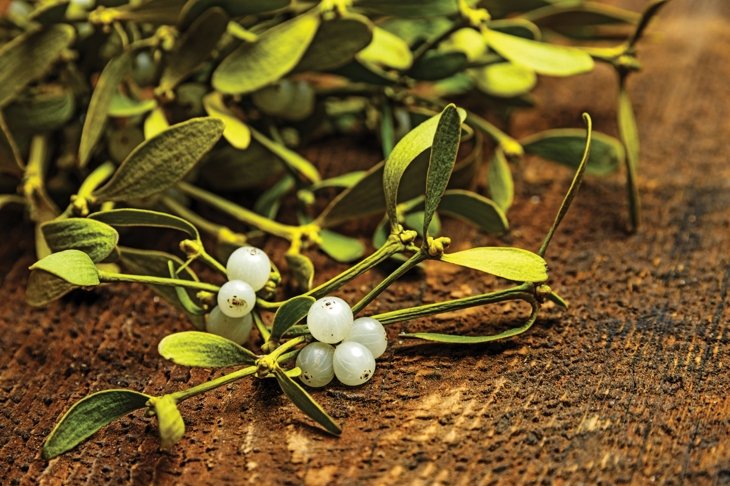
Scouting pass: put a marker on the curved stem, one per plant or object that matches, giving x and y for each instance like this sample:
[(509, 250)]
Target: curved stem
[(407, 265), (148, 279)]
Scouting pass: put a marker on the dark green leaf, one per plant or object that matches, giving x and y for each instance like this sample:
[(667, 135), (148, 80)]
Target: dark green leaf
[(565, 146), (289, 314), (88, 415), (29, 56), (50, 13), (406, 150), (50, 108), (94, 238), (438, 65), (509, 263), (73, 266), (305, 402), (476, 209), (302, 269), (336, 43), (162, 161), (151, 11), (230, 169), (271, 57), (584, 15), (340, 247), (11, 161), (234, 8), (127, 217), (193, 48), (646, 17), (298, 165), (43, 288), (501, 185), (269, 202), (505, 80), (96, 115), (169, 420), (441, 164), (410, 8), (203, 350), (543, 58)]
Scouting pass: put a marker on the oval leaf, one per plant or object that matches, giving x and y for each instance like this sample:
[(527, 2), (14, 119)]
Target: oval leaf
[(271, 57), (441, 164), (236, 132), (543, 58), (565, 146), (73, 266), (169, 420), (193, 48), (234, 8), (162, 161), (387, 50), (88, 415), (501, 185), (302, 269), (305, 402), (94, 238), (126, 217), (289, 314), (101, 99), (509, 263), (475, 209), (43, 288), (340, 247), (27, 57), (336, 43), (505, 80), (203, 350)]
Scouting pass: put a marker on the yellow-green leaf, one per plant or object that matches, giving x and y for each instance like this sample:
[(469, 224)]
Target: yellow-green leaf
[(506, 262), (122, 106), (504, 79), (203, 350), (236, 132), (88, 415), (43, 288), (501, 185), (155, 123), (387, 50), (94, 238), (169, 420), (29, 56), (277, 51), (73, 266), (340, 247), (162, 161)]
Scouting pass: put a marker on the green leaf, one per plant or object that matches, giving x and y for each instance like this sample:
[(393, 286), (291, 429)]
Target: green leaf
[(302, 269), (438, 65), (193, 48), (501, 185), (169, 420), (129, 217), (122, 106), (94, 238), (340, 247), (336, 43), (410, 8), (565, 146), (298, 165), (627, 129), (230, 169), (406, 150), (29, 56), (475, 209), (441, 164), (203, 350), (88, 415), (73, 266), (387, 50), (43, 288), (505, 80), (277, 51), (234, 8), (288, 99), (48, 108), (155, 123), (236, 132), (269, 202), (543, 58), (305, 402), (162, 161), (289, 314), (101, 99), (509, 263)]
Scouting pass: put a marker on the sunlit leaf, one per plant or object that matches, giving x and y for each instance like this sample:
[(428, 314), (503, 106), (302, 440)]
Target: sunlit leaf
[(73, 266), (340, 247), (88, 415), (169, 420), (501, 185), (509, 263), (160, 162), (122, 106), (94, 238), (155, 123), (289, 314), (236, 132), (43, 288), (305, 402), (387, 50), (203, 350), (504, 79)]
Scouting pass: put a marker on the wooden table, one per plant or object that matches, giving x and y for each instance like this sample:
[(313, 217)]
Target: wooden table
[(630, 385)]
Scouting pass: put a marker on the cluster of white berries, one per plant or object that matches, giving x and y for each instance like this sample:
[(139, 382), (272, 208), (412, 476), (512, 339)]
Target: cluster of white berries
[(330, 321), (248, 270)]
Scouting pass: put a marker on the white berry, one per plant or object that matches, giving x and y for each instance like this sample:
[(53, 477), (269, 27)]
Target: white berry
[(329, 320), (249, 264), (370, 333), (315, 361), (353, 363), (236, 329), (236, 298)]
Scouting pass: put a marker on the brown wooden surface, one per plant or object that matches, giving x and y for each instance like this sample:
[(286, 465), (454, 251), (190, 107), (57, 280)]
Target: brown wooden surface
[(630, 385)]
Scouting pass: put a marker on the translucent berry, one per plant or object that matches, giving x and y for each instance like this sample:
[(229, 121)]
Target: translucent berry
[(236, 329), (236, 298), (370, 333), (315, 361), (353, 363), (329, 320), (249, 264)]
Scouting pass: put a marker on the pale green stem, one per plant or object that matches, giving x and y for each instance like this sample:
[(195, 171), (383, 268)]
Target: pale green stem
[(407, 265), (148, 279), (198, 221), (183, 395)]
